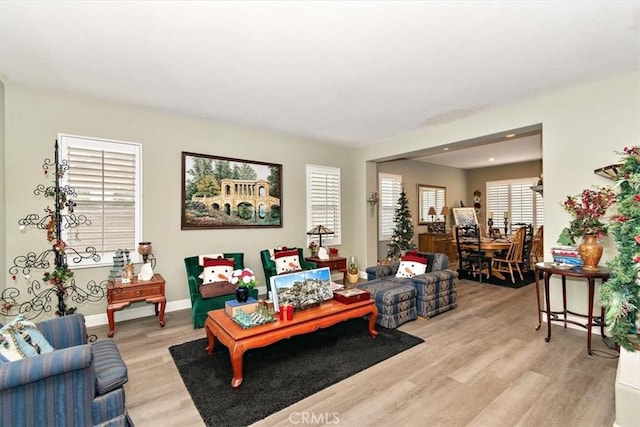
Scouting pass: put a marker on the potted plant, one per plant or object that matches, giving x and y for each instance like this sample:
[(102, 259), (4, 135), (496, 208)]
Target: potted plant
[(245, 280), (587, 209), (620, 294), (314, 248), (353, 272)]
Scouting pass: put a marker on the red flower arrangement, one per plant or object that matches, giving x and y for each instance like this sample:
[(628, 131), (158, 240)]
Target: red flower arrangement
[(587, 208)]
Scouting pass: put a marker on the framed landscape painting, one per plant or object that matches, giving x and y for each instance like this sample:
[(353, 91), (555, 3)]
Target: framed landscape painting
[(221, 192), (301, 289)]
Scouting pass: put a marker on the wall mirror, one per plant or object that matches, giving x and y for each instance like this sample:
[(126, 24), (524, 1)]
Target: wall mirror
[(431, 204)]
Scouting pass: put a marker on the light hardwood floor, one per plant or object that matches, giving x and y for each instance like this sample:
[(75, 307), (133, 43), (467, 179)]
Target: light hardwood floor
[(482, 364)]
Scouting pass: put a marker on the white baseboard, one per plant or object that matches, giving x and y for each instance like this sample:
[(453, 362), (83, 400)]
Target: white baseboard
[(135, 313)]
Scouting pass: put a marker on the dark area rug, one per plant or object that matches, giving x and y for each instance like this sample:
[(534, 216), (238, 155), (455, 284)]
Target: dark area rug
[(529, 278), (283, 373)]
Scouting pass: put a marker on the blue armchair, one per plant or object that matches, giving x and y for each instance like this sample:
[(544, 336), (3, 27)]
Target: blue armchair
[(78, 384)]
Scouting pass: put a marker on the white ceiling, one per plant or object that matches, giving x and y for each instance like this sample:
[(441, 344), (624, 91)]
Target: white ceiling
[(504, 152), (350, 72)]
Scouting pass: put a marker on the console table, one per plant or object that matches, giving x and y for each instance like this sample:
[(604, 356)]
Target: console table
[(548, 269), (121, 295), (238, 340)]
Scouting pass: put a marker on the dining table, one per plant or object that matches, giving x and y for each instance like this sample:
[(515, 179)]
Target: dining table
[(490, 247)]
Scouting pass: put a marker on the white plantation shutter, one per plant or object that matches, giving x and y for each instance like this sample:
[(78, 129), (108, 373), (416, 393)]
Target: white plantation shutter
[(516, 197), (390, 187), (106, 176), (521, 205), (323, 203), (431, 196), (539, 210)]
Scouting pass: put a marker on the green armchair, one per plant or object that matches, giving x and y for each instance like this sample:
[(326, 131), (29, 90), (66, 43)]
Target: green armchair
[(201, 306), (269, 266)]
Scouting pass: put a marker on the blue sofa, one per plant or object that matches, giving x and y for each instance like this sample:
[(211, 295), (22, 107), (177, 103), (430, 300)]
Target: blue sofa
[(77, 384), (400, 300)]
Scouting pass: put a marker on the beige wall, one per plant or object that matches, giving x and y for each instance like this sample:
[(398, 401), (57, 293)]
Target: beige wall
[(414, 173), (582, 128), (477, 180), (3, 180), (35, 117)]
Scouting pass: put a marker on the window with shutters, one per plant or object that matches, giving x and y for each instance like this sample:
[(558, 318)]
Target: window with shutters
[(431, 197), (390, 187), (516, 198), (107, 177), (323, 203)]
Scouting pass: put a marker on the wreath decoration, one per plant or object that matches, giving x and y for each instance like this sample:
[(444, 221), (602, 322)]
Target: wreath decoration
[(476, 201)]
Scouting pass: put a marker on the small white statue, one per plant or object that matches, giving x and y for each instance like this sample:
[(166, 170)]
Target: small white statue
[(322, 253), (146, 272)]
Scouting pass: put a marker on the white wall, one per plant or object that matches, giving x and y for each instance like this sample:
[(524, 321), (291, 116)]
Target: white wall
[(35, 117)]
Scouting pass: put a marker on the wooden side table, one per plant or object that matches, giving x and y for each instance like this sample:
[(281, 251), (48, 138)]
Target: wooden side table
[(549, 269), (335, 263), (121, 295)]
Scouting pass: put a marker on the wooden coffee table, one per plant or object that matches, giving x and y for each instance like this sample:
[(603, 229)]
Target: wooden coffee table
[(238, 340)]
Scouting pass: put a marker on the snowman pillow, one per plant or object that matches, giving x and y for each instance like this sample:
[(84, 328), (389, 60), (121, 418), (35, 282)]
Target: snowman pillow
[(411, 264)]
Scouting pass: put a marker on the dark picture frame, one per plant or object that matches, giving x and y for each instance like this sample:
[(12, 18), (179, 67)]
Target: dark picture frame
[(223, 192)]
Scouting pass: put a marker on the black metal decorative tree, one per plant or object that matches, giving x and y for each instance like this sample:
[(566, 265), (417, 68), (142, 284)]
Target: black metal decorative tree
[(57, 282)]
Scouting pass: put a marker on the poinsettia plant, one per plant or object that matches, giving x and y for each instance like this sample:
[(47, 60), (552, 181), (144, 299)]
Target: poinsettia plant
[(59, 276), (244, 278), (587, 209)]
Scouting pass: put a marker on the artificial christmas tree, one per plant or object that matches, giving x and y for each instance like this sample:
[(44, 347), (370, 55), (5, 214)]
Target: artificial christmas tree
[(620, 294), (401, 240)]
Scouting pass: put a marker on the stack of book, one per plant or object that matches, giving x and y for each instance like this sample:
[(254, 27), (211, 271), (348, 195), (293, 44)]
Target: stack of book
[(566, 255)]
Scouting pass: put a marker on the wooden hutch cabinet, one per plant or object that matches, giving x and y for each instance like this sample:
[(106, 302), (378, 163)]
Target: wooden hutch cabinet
[(437, 242)]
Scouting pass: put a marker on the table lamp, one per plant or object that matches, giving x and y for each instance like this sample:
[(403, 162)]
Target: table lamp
[(319, 230)]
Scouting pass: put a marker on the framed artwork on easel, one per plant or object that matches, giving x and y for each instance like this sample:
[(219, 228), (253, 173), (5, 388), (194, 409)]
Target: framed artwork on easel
[(465, 217)]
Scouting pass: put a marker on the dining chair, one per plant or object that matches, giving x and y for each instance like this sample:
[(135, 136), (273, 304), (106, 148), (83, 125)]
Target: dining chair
[(513, 258), (471, 259), (483, 231), (527, 244), (537, 248)]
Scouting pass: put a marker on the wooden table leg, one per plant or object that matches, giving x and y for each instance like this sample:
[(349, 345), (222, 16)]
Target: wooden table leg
[(112, 325), (372, 321), (237, 352), (564, 299), (162, 302), (548, 304), (591, 281), (163, 306), (111, 308), (210, 339), (535, 272)]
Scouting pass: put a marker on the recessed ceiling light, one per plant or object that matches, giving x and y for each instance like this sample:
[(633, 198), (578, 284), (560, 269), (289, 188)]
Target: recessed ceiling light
[(445, 149), (511, 135), (491, 159)]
